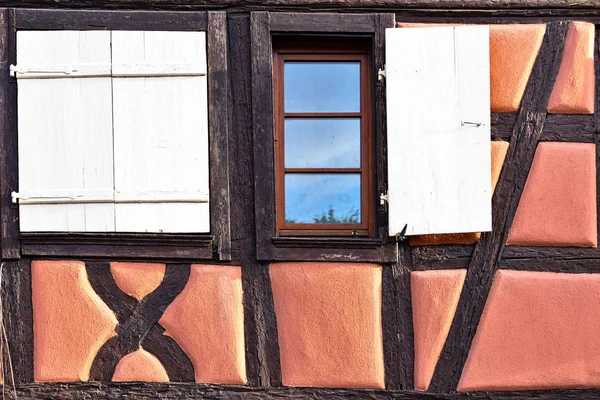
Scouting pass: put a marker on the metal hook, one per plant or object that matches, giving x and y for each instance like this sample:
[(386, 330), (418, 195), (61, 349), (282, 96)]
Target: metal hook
[(476, 124)]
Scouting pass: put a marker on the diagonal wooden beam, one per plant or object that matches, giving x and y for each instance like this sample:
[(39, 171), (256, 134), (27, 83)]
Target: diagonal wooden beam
[(484, 261)]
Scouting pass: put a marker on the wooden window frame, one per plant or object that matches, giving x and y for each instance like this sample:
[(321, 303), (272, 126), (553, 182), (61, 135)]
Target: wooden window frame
[(264, 26), (318, 51), (216, 244)]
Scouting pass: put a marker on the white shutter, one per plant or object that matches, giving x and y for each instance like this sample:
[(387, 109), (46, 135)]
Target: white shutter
[(65, 130), (438, 130), (160, 131)]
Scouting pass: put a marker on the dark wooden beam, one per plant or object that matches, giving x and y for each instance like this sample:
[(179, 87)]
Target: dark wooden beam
[(484, 262)]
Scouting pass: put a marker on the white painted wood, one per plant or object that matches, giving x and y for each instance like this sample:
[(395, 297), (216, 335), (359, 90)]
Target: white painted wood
[(437, 83), (53, 71), (161, 131), (65, 130), (108, 196), (150, 70)]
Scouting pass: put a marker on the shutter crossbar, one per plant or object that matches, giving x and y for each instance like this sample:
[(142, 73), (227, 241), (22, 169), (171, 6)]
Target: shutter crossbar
[(138, 70), (84, 196)]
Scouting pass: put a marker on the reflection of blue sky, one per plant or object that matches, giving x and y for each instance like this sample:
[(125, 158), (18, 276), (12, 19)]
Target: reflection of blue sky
[(310, 195), (321, 86), (322, 143)]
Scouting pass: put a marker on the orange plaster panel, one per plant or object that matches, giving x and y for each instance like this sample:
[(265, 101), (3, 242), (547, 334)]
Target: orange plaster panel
[(558, 205), (207, 321), (140, 366), (513, 51), (137, 279), (329, 324), (434, 296), (499, 149), (539, 330), (70, 321), (573, 91)]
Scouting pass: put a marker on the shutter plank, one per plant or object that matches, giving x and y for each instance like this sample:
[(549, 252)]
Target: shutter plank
[(437, 81), (161, 131), (65, 130)]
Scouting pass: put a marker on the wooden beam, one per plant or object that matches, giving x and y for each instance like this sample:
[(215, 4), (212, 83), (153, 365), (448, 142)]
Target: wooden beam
[(484, 262)]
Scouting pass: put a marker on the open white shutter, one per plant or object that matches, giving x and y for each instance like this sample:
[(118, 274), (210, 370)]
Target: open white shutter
[(65, 131), (438, 130), (160, 131)]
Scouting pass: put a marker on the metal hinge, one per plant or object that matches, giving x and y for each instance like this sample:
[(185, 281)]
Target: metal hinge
[(384, 198), (381, 74)]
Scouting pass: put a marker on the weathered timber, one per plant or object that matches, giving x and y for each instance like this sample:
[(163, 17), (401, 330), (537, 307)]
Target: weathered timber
[(571, 266), (260, 331), (322, 23), (484, 262), (218, 125), (557, 128), (87, 390), (138, 321), (9, 173), (396, 310), (115, 20), (17, 315), (239, 5), (118, 245)]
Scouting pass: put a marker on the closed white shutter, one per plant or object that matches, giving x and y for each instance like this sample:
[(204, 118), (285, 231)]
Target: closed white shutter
[(438, 130), (160, 131), (65, 131)]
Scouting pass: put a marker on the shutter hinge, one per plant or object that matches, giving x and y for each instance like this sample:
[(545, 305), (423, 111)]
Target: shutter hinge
[(384, 198), (381, 74)]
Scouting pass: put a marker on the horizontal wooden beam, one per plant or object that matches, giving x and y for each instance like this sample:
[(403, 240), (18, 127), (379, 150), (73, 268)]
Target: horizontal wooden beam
[(306, 4)]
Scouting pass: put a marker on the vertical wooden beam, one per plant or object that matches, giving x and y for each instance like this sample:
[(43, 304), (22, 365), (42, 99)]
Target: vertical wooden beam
[(9, 170), (484, 262), (218, 132), (17, 314), (262, 345), (262, 128)]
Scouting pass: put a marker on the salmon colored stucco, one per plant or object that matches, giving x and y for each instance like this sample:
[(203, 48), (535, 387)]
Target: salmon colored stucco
[(140, 366), (137, 279), (558, 204), (573, 91), (499, 149), (434, 296), (70, 321), (513, 51), (539, 330), (329, 324), (207, 321)]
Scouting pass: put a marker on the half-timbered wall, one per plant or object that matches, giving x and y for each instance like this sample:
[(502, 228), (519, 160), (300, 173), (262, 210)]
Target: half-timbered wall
[(238, 313)]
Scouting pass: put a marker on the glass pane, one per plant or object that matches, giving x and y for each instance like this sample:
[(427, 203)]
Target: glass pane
[(322, 198), (322, 143), (322, 86)]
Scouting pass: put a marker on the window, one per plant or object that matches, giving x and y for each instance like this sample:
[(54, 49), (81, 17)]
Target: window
[(323, 147)]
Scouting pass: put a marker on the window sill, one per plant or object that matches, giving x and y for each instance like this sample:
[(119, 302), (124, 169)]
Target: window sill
[(119, 245)]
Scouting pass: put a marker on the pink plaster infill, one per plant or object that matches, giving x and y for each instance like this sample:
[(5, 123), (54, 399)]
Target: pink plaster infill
[(140, 366), (329, 324), (539, 330), (434, 296), (137, 279), (573, 91), (70, 321), (207, 321), (558, 204)]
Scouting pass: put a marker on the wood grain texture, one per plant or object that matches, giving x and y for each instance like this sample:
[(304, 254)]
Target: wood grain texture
[(260, 331), (138, 322), (218, 133), (396, 313), (17, 316), (73, 391), (110, 20), (9, 174), (322, 23), (439, 180), (306, 4), (484, 262)]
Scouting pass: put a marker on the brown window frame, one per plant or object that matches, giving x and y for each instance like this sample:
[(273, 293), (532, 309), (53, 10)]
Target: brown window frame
[(330, 51)]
